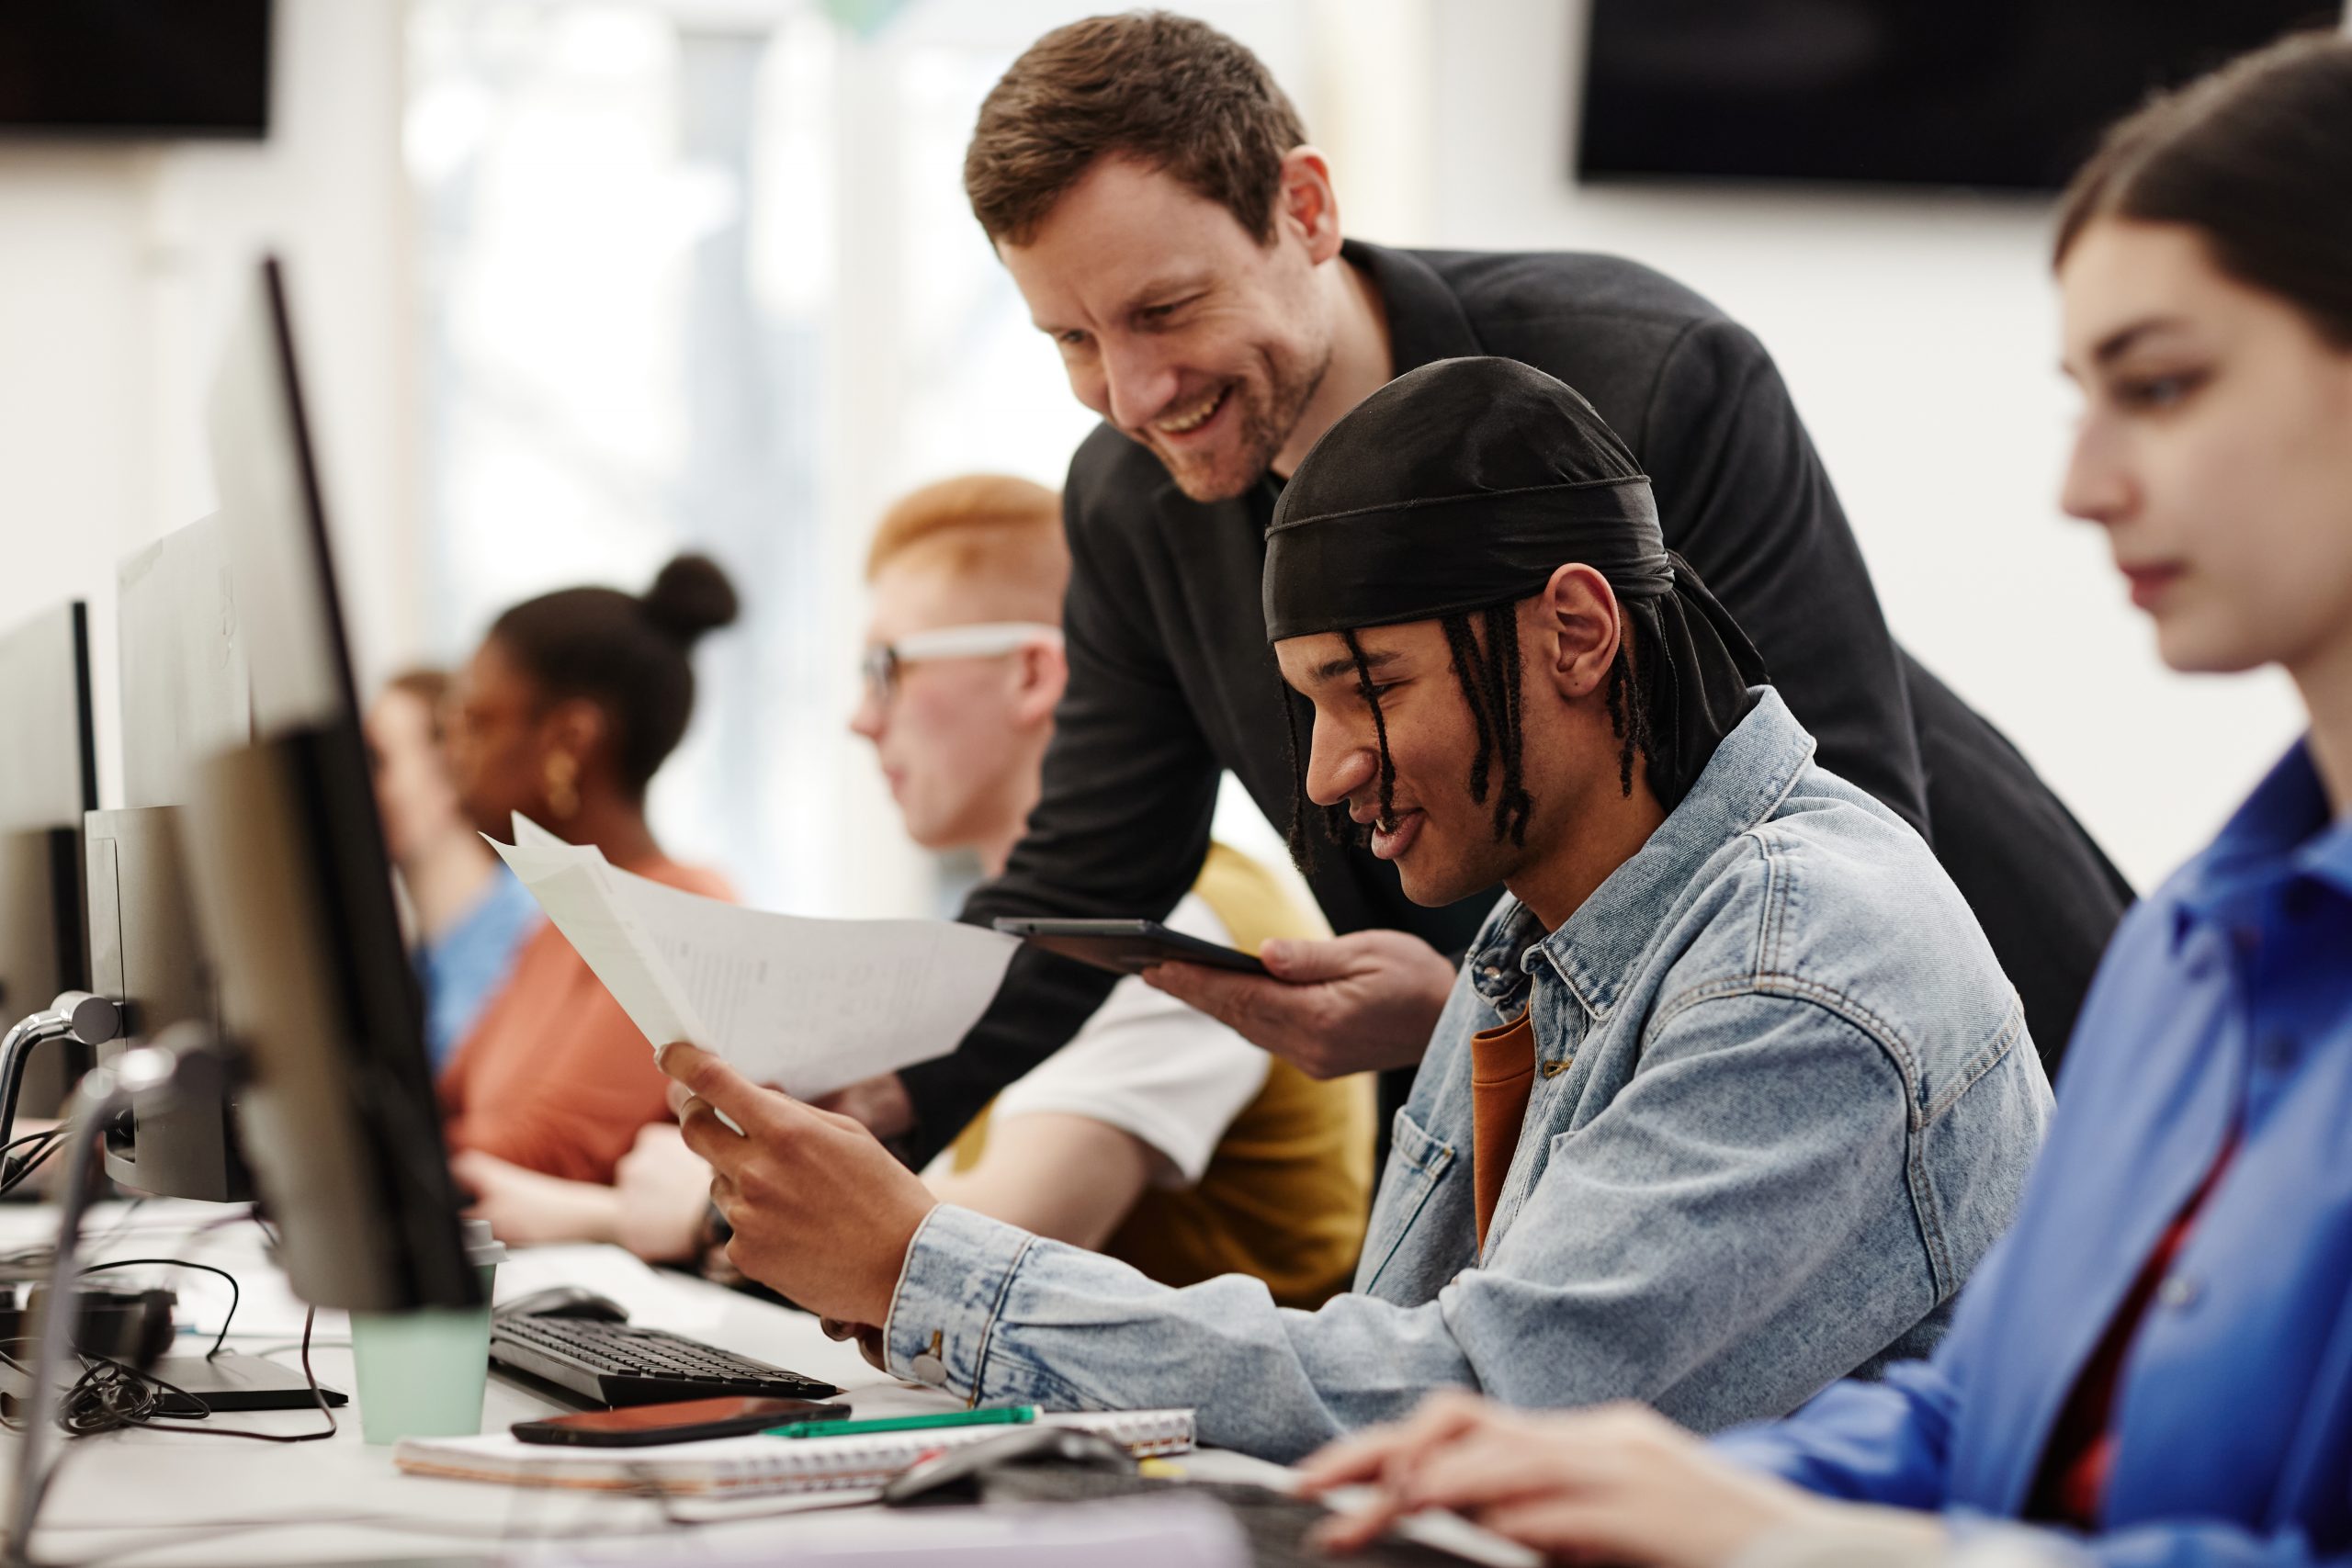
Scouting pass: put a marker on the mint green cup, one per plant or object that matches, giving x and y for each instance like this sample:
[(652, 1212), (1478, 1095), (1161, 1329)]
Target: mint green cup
[(421, 1374)]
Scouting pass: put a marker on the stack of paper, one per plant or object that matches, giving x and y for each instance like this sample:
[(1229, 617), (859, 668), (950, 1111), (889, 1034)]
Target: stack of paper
[(808, 1005), (760, 1463)]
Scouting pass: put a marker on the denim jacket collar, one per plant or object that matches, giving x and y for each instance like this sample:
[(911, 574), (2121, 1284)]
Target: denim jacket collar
[(1752, 772)]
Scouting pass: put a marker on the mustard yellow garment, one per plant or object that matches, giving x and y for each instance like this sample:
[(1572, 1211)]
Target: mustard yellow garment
[(1287, 1194)]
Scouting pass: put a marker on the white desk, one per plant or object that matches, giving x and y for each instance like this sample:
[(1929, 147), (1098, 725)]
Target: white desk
[(162, 1498), (168, 1499)]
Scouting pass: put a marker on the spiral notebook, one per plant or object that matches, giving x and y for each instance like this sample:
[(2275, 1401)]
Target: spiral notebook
[(756, 1464)]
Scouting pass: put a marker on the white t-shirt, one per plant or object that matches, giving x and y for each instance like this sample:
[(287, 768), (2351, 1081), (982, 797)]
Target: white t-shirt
[(1152, 1066)]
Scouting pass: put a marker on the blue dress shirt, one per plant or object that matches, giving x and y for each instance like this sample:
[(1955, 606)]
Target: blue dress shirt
[(464, 967), (2223, 1005)]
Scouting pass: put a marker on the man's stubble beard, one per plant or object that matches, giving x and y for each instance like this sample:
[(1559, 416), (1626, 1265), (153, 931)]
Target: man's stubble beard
[(1264, 431)]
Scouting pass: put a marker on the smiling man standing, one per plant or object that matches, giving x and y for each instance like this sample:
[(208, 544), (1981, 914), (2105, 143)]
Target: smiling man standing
[(1726, 1101), (1149, 188)]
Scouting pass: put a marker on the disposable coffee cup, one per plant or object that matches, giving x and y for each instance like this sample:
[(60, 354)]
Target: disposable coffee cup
[(421, 1373)]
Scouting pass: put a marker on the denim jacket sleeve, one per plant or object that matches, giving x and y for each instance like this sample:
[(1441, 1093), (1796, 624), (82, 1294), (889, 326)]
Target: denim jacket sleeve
[(1741, 1163), (1888, 1442)]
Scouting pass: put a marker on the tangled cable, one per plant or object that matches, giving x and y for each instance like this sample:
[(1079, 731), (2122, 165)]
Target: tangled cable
[(111, 1395), (15, 1169)]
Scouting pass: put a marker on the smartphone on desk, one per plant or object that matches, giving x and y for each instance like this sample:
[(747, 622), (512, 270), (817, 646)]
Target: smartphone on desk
[(686, 1421), (1128, 947)]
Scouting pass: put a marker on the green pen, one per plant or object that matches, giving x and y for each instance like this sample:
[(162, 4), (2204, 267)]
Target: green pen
[(1003, 1415)]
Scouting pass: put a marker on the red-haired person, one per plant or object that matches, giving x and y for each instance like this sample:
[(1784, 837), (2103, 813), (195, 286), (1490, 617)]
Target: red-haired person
[(1157, 1135)]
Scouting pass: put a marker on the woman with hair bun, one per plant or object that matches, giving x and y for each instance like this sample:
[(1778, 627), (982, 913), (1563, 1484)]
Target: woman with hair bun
[(567, 710), (2155, 1366)]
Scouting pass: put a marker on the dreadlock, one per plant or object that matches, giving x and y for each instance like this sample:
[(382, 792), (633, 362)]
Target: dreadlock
[(1294, 835), (1370, 695), (1490, 686), (1337, 826), (1629, 712)]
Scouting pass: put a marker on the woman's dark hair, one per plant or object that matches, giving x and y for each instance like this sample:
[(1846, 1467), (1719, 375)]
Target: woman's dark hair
[(626, 653), (2258, 157)]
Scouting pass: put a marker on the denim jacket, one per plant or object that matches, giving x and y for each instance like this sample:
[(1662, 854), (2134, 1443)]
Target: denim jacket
[(1784, 1101)]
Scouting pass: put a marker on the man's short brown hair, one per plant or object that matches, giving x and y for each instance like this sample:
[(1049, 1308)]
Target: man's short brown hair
[(999, 538), (1173, 93)]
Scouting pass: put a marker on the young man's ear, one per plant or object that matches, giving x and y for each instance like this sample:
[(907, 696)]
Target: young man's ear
[(1043, 673), (1306, 205), (1580, 624)]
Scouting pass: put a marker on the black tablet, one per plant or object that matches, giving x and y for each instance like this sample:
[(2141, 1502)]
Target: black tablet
[(1128, 947)]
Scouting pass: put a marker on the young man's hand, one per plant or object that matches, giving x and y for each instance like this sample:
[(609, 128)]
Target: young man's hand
[(663, 1189), (1352, 1004), (1620, 1483), (821, 1212)]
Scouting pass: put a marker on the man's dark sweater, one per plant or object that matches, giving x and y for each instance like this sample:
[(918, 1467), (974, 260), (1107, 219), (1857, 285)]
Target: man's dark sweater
[(1171, 680)]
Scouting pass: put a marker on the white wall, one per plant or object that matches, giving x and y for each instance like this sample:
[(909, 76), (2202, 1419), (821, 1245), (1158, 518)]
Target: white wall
[(122, 266), (1916, 331), (1919, 335), (74, 454)]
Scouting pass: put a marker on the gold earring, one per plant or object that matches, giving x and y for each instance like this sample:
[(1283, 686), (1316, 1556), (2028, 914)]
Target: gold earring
[(563, 787)]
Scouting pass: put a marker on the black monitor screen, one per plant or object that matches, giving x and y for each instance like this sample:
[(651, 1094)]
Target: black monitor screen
[(2003, 94), (294, 888), (135, 67), (47, 768), (48, 779)]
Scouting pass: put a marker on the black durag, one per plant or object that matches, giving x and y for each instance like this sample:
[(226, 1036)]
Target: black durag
[(1466, 483)]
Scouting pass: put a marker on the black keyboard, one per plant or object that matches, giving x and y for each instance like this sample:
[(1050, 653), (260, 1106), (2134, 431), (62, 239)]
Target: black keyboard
[(615, 1363)]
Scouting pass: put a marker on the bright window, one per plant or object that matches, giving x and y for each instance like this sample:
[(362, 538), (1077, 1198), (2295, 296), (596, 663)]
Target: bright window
[(702, 276)]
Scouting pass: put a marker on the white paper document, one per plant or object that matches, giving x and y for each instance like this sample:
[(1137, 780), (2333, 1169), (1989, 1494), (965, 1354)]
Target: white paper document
[(808, 1005)]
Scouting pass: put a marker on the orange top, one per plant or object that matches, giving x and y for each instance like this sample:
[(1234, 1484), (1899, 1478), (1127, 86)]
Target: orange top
[(554, 1076), (1502, 1074)]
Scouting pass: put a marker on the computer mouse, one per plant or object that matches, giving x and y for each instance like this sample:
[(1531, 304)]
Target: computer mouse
[(566, 1301), (957, 1474)]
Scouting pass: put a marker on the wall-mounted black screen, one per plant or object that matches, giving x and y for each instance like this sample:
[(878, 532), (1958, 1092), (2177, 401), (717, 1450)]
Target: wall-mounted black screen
[(134, 67), (1997, 93)]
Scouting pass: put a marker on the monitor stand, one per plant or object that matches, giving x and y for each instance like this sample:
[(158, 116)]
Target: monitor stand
[(231, 1382)]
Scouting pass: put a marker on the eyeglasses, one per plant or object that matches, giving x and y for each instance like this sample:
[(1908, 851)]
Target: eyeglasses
[(883, 666)]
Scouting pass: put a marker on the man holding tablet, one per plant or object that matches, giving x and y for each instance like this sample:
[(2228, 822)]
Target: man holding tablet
[(1726, 1101), (1151, 190)]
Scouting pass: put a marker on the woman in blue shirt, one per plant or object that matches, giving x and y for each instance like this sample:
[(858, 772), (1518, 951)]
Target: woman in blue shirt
[(471, 915), (2155, 1365)]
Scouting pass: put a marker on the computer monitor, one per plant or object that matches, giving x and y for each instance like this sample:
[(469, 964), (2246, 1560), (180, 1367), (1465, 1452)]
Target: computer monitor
[(49, 778), (186, 694), (293, 888)]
